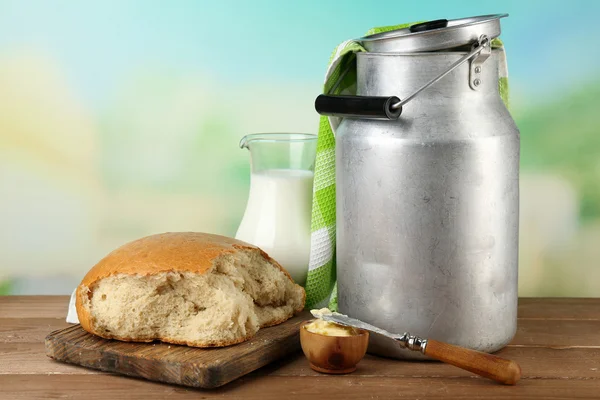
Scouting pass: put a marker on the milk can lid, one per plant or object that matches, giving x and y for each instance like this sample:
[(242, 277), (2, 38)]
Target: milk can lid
[(435, 35)]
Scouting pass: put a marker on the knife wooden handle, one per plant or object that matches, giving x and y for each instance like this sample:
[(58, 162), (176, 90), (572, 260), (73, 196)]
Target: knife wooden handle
[(499, 369)]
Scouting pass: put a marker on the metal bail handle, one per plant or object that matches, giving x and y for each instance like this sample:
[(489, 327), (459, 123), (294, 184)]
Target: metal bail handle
[(391, 107)]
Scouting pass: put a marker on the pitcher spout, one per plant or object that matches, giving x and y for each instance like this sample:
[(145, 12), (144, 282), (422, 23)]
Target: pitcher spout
[(245, 142)]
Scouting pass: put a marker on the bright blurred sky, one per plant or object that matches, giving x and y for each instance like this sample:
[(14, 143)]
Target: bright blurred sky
[(551, 44)]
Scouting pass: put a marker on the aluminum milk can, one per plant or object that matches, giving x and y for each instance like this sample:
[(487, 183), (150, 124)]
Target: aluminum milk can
[(427, 180)]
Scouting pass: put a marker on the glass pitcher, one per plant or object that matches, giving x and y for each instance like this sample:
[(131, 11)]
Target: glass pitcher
[(278, 212)]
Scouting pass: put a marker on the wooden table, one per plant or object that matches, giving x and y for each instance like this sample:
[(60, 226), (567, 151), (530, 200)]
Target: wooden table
[(557, 346)]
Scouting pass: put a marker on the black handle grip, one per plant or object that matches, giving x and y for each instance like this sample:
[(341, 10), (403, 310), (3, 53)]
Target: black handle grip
[(427, 26), (358, 106)]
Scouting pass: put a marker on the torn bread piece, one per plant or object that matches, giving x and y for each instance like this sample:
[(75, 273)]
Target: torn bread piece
[(188, 288)]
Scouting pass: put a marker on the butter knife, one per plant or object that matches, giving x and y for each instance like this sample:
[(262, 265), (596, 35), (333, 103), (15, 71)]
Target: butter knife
[(499, 369)]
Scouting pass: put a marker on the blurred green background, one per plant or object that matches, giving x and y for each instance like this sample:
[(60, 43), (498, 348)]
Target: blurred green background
[(120, 119)]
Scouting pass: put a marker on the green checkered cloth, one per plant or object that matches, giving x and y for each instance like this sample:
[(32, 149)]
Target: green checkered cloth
[(321, 289)]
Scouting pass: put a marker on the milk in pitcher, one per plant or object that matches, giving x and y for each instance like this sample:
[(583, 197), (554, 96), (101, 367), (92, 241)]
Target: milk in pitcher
[(277, 217)]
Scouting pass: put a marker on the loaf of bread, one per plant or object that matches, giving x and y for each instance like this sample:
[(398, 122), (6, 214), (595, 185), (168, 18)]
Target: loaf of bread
[(195, 289)]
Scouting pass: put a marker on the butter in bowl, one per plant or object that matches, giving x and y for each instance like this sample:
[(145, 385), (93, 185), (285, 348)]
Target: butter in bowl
[(332, 348)]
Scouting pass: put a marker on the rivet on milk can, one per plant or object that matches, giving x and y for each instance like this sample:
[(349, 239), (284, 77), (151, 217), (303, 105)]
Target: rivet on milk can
[(427, 180)]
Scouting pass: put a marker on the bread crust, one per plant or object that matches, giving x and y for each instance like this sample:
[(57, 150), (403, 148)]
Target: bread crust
[(151, 255)]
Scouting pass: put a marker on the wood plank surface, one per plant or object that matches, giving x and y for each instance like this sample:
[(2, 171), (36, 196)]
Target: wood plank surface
[(557, 345), (16, 330), (557, 333), (34, 306), (30, 358), (277, 388), (557, 364), (559, 308)]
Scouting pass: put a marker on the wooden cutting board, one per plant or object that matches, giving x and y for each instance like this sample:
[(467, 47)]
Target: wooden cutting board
[(182, 365)]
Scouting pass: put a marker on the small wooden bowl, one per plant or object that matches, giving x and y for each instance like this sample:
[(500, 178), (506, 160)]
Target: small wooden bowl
[(333, 354)]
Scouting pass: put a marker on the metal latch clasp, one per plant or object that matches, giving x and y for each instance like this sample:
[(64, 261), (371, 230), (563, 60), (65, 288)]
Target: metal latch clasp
[(476, 67)]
